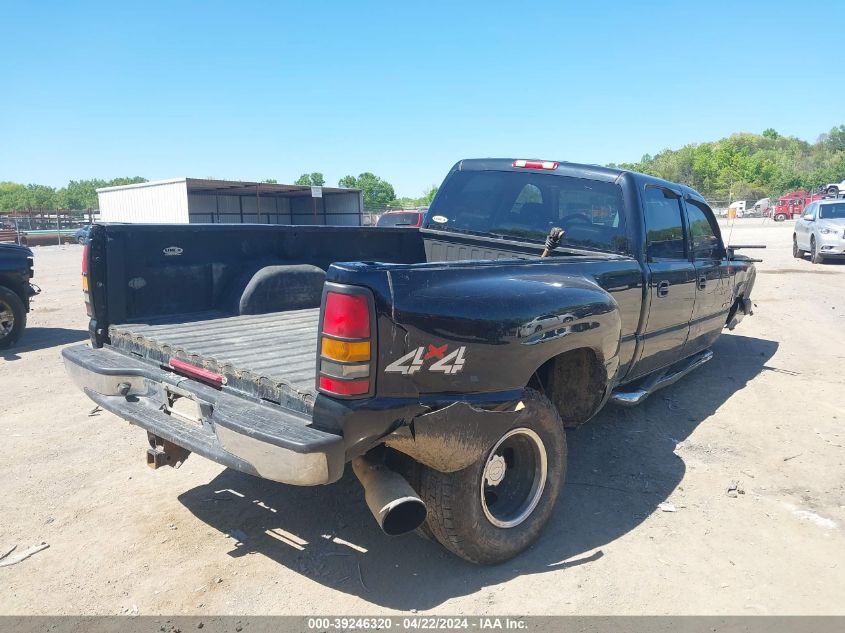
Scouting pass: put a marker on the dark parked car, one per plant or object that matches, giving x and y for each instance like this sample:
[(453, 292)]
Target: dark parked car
[(16, 271), (442, 363), (81, 234)]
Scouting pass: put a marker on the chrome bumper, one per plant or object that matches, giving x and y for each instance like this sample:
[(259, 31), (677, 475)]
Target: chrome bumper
[(263, 440)]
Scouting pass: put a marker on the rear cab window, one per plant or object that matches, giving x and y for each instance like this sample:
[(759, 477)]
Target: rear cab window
[(526, 205), (399, 219)]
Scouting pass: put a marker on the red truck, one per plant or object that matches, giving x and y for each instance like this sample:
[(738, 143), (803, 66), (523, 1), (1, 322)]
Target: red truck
[(791, 205)]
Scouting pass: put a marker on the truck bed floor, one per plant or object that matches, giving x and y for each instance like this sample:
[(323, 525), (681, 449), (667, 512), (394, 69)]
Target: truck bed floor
[(255, 352)]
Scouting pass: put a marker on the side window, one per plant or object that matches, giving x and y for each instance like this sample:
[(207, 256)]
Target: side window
[(663, 224), (703, 240), (809, 212)]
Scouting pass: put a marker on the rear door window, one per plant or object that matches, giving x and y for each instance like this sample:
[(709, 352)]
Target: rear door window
[(703, 234), (664, 225)]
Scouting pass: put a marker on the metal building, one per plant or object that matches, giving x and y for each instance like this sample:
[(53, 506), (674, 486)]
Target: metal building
[(195, 200)]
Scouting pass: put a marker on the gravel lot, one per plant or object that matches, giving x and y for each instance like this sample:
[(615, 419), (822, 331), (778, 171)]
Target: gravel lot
[(765, 414)]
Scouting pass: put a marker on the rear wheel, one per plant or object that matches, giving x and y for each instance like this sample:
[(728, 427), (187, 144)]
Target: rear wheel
[(492, 510), (780, 217), (833, 190), (12, 318), (797, 253), (815, 257)]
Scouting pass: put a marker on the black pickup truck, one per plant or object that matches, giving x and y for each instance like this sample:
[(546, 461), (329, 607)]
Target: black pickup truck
[(442, 363), (16, 270)]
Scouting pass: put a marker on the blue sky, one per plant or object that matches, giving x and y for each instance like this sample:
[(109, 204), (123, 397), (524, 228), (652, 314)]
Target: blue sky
[(253, 90)]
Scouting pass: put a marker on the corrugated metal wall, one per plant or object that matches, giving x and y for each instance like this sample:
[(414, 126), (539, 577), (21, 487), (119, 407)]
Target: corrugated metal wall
[(208, 207), (334, 209), (170, 203), (161, 203), (344, 209)]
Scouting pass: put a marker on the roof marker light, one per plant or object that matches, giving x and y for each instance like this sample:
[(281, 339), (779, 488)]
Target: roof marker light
[(535, 164)]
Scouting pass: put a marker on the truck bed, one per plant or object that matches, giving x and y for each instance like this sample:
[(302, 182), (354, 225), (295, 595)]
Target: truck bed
[(271, 356)]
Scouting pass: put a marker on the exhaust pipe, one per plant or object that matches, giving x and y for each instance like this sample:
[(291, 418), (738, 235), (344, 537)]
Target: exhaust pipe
[(394, 504)]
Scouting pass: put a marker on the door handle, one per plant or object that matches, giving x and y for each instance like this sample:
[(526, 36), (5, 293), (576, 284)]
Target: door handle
[(663, 289), (702, 283)]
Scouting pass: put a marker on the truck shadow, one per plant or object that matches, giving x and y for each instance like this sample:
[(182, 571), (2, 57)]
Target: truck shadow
[(37, 338), (621, 466)]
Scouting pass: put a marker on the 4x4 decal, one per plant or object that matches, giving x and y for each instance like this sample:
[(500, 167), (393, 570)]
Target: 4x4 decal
[(413, 361)]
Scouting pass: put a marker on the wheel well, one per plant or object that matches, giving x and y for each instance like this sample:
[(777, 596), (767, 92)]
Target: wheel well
[(575, 382), (17, 289)]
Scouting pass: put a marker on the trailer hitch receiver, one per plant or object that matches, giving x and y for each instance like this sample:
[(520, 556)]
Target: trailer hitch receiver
[(164, 453)]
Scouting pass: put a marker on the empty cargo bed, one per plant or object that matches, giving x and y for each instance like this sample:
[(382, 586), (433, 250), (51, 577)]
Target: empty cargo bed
[(272, 355)]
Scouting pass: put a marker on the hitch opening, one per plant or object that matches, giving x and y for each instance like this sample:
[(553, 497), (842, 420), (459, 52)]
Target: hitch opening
[(164, 453)]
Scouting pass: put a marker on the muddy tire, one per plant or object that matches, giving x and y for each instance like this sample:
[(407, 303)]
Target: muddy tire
[(492, 510), (797, 253), (12, 318), (815, 257)]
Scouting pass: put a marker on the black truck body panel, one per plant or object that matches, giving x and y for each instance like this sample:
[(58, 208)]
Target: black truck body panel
[(16, 270), (486, 303)]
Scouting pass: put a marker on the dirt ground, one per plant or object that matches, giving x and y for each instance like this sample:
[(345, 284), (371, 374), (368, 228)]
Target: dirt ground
[(765, 415)]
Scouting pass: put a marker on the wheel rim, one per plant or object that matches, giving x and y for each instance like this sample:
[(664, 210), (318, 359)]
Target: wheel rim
[(513, 478), (813, 248), (7, 319)]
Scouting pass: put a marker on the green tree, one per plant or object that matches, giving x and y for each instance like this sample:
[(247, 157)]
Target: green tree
[(428, 196), (40, 197), (314, 179), (836, 139), (349, 182), (270, 181), (378, 193), (12, 196), (82, 194), (751, 165)]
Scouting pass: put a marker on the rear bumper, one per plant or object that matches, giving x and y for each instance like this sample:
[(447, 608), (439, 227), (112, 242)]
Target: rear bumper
[(263, 440)]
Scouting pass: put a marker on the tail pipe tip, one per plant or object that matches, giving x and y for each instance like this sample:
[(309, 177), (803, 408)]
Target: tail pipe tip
[(392, 501)]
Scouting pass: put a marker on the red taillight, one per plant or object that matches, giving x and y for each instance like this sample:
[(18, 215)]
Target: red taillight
[(344, 387), (536, 164), (344, 355), (346, 316), (85, 287), (199, 373)]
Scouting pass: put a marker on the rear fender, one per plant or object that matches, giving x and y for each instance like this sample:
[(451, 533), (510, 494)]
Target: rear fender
[(488, 331)]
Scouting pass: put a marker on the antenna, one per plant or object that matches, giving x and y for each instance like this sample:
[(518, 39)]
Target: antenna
[(731, 232)]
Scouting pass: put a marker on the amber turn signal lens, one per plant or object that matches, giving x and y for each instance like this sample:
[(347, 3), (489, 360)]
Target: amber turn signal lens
[(84, 283), (346, 351)]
